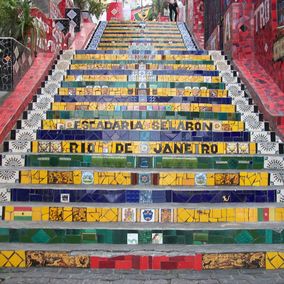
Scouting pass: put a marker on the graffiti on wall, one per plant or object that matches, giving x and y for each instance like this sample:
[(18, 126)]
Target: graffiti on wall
[(262, 15)]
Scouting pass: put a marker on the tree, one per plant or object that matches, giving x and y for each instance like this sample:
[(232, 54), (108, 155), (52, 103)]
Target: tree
[(95, 7)]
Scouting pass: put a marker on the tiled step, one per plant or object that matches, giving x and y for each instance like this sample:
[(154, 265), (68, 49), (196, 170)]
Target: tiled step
[(144, 257), (150, 178), (163, 214), (144, 148), (201, 167), (229, 162), (132, 197)]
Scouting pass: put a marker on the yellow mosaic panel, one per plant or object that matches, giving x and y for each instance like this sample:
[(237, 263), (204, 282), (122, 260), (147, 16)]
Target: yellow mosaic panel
[(165, 179), (90, 66), (111, 178), (196, 79), (112, 124), (127, 48), (98, 91), (114, 45), (242, 215), (274, 260), (177, 215), (161, 78), (136, 106), (122, 57), (254, 179), (12, 258), (150, 148), (112, 78)]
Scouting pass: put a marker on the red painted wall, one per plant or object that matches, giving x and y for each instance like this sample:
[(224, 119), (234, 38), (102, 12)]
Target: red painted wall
[(249, 32)]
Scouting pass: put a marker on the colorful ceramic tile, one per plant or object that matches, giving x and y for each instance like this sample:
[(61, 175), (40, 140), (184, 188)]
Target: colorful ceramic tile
[(12, 258), (132, 239), (128, 215), (56, 259), (147, 215), (233, 261), (274, 260), (157, 238), (165, 215)]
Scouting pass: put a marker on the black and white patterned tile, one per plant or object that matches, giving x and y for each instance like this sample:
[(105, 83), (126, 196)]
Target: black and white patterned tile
[(74, 15), (187, 39), (63, 25), (9, 176), (19, 146), (93, 44), (33, 115), (280, 196), (25, 135), (13, 161), (5, 195)]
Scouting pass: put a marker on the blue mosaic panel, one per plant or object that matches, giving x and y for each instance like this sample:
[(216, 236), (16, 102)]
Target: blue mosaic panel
[(139, 196), (97, 36)]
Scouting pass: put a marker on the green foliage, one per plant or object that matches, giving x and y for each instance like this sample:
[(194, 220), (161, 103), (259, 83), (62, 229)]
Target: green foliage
[(95, 7), (16, 21)]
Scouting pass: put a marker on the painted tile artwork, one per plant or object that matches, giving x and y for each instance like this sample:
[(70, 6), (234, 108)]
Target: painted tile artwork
[(141, 140)]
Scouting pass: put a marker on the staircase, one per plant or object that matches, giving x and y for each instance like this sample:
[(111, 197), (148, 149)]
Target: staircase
[(141, 152)]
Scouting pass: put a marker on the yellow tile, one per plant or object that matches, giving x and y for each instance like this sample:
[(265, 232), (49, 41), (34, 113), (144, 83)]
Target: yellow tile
[(34, 148), (185, 215), (45, 213), (203, 215), (274, 260), (271, 214), (67, 214), (253, 216), (77, 177), (279, 214), (93, 215), (9, 213), (25, 177), (12, 258), (109, 215), (36, 213)]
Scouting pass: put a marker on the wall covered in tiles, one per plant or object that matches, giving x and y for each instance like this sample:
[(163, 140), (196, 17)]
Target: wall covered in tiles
[(195, 19), (253, 260), (246, 29), (16, 59), (268, 15), (51, 37)]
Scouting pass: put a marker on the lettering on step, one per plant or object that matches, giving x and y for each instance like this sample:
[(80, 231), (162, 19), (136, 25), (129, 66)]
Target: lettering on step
[(162, 148), (262, 15), (141, 125)]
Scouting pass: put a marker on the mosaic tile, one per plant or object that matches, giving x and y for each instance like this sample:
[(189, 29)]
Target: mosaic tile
[(274, 260), (233, 261), (12, 258), (55, 259)]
